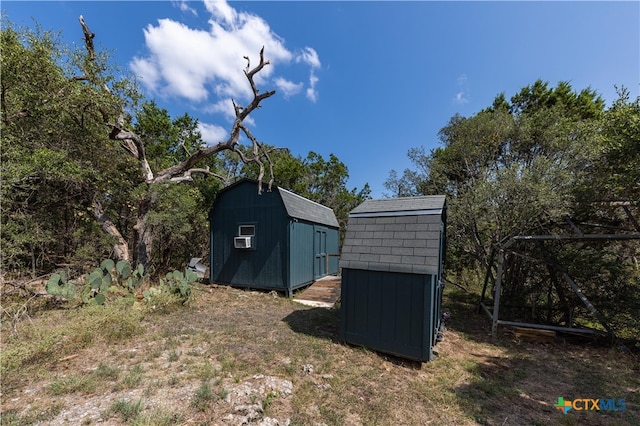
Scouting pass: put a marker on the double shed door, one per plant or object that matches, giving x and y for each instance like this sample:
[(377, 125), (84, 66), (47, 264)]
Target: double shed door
[(319, 252)]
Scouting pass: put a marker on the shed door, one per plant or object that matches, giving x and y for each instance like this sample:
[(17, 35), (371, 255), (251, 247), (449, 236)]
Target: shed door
[(320, 253)]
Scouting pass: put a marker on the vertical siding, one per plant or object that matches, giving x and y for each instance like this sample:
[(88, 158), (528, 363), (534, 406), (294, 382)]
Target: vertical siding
[(301, 253), (389, 312), (264, 266), (302, 256), (333, 247)]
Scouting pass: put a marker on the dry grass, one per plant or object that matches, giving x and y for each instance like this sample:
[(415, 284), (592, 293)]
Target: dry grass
[(181, 366)]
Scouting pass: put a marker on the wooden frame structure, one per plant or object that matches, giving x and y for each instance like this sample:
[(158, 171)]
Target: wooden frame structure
[(630, 234)]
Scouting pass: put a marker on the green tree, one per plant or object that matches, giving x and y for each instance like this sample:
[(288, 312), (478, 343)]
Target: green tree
[(58, 164), (72, 188), (312, 177), (510, 167), (618, 171), (524, 166)]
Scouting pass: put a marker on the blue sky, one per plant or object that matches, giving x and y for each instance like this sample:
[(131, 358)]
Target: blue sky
[(365, 80)]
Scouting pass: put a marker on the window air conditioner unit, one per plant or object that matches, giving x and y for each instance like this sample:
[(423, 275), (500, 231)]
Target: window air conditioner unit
[(242, 242)]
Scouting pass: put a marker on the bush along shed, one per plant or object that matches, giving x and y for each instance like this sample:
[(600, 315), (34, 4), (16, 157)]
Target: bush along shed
[(392, 262), (275, 240)]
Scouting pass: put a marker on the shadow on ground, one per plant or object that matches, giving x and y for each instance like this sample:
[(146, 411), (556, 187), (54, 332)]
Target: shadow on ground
[(323, 323), (515, 382)]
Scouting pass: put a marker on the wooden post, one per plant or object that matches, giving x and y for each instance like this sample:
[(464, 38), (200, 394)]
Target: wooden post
[(486, 279), (496, 296), (588, 304)]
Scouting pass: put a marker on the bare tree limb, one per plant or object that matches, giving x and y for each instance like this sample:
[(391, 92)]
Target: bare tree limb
[(233, 140), (121, 247), (88, 39), (134, 145), (187, 176)]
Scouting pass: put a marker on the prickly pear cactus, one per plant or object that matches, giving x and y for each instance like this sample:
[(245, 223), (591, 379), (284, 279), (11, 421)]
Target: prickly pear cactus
[(59, 286), (124, 269), (180, 283)]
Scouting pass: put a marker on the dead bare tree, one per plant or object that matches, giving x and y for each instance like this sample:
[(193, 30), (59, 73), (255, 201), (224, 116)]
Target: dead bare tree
[(183, 171)]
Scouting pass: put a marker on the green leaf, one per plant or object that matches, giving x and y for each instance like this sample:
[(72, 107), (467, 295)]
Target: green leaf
[(104, 287), (69, 291), (124, 269), (106, 278), (95, 279), (190, 276), (107, 265), (99, 299), (53, 285)]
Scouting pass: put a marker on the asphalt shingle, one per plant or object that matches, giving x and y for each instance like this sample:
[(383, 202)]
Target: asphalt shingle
[(396, 235), (305, 209)]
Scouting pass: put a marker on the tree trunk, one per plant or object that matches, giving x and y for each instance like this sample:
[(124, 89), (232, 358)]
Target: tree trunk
[(144, 242), (183, 171), (121, 247), (144, 235)]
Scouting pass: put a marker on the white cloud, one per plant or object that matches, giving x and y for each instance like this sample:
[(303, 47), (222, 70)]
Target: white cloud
[(184, 7), (225, 107), (147, 71), (288, 88), (212, 133), (222, 11), (462, 97), (309, 56), (205, 65), (312, 93)]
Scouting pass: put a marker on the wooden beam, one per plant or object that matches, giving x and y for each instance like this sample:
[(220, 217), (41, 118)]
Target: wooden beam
[(496, 295), (588, 304), (583, 237), (552, 327)]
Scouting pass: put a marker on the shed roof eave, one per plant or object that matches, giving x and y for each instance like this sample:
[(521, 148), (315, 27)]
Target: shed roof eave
[(406, 204), (397, 213), (302, 208)]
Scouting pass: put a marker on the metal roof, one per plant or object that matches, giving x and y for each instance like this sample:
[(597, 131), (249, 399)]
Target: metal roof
[(396, 235)]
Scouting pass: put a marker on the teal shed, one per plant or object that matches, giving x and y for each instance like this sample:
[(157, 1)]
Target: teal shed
[(392, 262), (274, 240)]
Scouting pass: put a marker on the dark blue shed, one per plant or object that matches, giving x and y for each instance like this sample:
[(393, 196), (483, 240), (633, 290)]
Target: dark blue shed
[(392, 261), (276, 240)]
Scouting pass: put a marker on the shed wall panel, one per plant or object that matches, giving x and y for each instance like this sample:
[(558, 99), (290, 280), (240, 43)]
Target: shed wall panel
[(282, 256), (301, 253), (389, 312), (262, 266)]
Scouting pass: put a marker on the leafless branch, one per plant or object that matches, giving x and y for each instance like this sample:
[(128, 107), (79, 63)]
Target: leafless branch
[(231, 143), (183, 171), (120, 247), (187, 176), (88, 39)]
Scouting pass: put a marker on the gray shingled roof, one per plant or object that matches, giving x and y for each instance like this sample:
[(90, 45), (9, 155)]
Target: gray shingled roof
[(395, 234), (305, 209), (398, 205)]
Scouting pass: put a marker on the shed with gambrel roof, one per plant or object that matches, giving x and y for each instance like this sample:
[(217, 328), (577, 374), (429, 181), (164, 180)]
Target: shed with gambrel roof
[(392, 262), (274, 240)]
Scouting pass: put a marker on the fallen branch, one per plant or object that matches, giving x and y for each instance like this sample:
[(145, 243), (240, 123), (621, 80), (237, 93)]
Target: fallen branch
[(460, 286)]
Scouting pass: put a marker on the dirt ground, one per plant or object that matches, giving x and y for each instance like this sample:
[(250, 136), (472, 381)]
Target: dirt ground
[(244, 357)]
